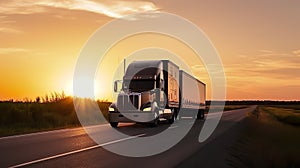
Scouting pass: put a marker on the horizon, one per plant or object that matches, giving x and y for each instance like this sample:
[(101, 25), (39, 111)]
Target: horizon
[(26, 99), (258, 43)]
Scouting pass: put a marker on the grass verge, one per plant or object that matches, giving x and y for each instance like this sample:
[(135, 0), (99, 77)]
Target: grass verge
[(289, 115), (28, 117), (266, 141)]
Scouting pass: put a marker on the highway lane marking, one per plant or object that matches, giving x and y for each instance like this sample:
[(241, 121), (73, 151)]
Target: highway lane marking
[(210, 115), (74, 152), (186, 117), (50, 132), (175, 126), (224, 112)]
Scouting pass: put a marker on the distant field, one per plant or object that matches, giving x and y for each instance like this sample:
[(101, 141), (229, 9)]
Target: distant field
[(285, 114), (294, 107), (270, 138)]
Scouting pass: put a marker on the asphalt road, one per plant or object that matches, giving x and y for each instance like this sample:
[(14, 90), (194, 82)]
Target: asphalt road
[(74, 148)]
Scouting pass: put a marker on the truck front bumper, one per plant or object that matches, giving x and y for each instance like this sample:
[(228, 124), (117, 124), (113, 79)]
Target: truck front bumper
[(136, 116)]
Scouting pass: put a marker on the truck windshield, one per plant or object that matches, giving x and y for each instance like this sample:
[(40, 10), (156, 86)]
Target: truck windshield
[(139, 85)]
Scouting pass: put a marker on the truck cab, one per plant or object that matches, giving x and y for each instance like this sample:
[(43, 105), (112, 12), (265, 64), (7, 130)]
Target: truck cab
[(142, 95)]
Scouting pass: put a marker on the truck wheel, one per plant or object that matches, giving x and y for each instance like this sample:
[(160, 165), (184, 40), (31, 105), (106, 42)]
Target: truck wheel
[(176, 115), (172, 119), (179, 117), (154, 123), (114, 124), (200, 114)]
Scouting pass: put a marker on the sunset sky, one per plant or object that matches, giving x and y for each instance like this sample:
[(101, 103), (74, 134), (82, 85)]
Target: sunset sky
[(258, 41)]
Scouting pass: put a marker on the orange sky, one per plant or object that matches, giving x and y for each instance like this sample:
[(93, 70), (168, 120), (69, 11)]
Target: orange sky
[(257, 41)]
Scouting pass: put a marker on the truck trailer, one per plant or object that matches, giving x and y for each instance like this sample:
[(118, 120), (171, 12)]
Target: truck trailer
[(156, 89)]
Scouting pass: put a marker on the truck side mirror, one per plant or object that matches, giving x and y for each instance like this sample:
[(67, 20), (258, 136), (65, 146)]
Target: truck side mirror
[(115, 86), (118, 85), (162, 84)]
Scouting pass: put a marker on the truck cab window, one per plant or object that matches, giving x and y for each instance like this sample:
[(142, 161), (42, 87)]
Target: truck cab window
[(140, 85)]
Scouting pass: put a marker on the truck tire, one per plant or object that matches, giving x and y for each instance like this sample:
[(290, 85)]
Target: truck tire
[(173, 117), (154, 123), (171, 120), (200, 114), (114, 124)]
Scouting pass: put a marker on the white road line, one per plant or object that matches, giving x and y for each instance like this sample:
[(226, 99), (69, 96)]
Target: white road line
[(49, 132), (186, 117), (224, 112), (211, 115), (175, 126), (74, 152)]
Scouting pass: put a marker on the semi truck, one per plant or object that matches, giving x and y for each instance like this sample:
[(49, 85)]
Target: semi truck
[(154, 90)]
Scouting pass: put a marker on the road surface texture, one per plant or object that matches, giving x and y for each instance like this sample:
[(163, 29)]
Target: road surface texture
[(74, 148)]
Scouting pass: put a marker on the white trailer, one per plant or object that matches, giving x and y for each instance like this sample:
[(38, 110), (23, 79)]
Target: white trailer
[(192, 96)]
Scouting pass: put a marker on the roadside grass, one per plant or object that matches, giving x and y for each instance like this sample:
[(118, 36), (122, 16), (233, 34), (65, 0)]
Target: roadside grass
[(28, 117), (289, 115), (294, 107), (266, 142)]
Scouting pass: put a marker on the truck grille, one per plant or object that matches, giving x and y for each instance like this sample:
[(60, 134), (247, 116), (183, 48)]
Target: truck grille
[(120, 102), (128, 102), (134, 99)]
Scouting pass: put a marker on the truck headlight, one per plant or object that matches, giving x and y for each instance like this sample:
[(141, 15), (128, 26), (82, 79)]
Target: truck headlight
[(111, 109), (147, 109)]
